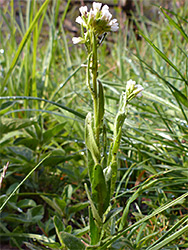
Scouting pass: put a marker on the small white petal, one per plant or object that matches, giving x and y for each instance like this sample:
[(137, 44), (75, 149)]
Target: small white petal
[(76, 40), (138, 90), (114, 27), (91, 15), (139, 87), (96, 6), (139, 94), (83, 10), (113, 21), (106, 15), (105, 7), (79, 20), (130, 84)]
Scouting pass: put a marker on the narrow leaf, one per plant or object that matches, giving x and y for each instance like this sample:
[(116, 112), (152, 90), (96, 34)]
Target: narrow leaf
[(24, 40), (72, 242), (19, 185), (90, 139), (164, 57), (100, 192)]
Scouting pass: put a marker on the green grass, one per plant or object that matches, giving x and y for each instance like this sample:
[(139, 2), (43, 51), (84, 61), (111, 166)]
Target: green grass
[(44, 101)]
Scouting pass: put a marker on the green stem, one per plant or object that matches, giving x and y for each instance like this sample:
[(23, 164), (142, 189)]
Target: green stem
[(88, 83), (95, 90)]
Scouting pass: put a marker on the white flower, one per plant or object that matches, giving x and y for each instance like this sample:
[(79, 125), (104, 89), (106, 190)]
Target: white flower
[(76, 40), (114, 25), (105, 7), (79, 20), (83, 10), (106, 15), (96, 7)]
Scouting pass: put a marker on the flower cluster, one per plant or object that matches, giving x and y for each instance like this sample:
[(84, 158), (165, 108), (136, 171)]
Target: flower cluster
[(98, 20), (133, 89)]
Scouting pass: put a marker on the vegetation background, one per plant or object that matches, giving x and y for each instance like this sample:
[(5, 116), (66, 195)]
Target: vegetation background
[(44, 101)]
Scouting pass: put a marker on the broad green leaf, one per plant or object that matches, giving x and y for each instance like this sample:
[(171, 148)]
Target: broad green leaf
[(6, 137), (26, 203), (123, 244), (9, 124), (23, 152), (35, 214), (56, 159), (47, 135), (31, 143), (79, 206), (53, 204), (95, 213), (72, 242), (82, 231), (61, 203), (100, 193), (59, 227), (94, 230)]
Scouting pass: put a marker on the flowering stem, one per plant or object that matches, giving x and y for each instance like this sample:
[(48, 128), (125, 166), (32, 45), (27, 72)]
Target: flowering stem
[(95, 89), (88, 83)]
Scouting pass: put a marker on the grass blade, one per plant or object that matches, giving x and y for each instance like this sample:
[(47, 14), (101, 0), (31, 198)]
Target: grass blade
[(24, 41), (176, 25), (169, 239), (43, 100), (163, 56), (27, 176), (159, 210)]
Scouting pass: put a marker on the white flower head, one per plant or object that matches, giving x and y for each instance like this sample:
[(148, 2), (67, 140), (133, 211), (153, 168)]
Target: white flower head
[(97, 20), (130, 85), (83, 10), (133, 89)]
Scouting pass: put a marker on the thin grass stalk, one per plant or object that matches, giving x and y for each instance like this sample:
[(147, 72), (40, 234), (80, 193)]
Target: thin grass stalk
[(23, 42), (35, 42)]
